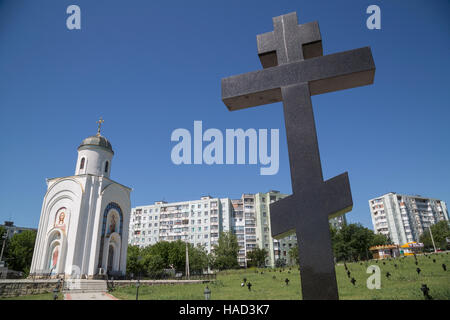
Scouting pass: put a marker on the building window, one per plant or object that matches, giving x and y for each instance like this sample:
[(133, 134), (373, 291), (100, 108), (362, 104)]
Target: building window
[(83, 160), (106, 166)]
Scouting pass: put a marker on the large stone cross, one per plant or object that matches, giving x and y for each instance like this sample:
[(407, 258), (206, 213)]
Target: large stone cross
[(295, 69)]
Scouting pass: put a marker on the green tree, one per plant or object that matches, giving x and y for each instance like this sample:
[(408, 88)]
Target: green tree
[(162, 249), (280, 263), (352, 242), (441, 231), (154, 266), (164, 255), (380, 239), (257, 257), (177, 255), (198, 259), (226, 252), (134, 265), (20, 251), (2, 232), (293, 255)]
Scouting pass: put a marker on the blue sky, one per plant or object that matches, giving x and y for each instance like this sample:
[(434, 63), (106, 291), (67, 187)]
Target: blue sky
[(149, 67)]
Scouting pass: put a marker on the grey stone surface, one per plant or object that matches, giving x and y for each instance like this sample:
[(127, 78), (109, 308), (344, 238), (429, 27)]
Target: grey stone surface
[(294, 69), (89, 296), (333, 72), (20, 287)]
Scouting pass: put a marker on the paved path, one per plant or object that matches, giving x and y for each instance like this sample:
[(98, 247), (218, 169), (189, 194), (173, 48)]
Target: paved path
[(89, 296)]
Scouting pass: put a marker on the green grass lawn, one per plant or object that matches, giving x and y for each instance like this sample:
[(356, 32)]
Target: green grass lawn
[(403, 284)]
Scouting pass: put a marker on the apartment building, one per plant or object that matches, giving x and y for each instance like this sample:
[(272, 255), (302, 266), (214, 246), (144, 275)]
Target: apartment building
[(403, 218), (200, 222), (278, 249), (11, 229)]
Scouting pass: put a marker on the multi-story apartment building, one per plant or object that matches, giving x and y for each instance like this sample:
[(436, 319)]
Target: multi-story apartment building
[(201, 221), (277, 249), (11, 229), (238, 228), (198, 222), (404, 218), (338, 222)]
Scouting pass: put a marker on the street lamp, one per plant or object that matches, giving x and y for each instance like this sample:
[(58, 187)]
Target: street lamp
[(55, 294), (138, 283), (207, 293)]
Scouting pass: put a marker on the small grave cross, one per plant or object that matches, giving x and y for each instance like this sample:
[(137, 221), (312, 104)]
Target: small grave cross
[(425, 290)]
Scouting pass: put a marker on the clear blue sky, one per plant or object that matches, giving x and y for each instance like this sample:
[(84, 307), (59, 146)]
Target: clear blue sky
[(149, 67)]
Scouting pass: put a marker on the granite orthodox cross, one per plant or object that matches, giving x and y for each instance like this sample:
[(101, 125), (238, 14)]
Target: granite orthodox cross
[(295, 69)]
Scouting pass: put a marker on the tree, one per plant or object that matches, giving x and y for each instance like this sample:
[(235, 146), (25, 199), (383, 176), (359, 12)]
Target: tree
[(134, 266), (226, 252), (20, 251), (352, 242), (440, 231), (154, 266), (380, 239), (293, 255), (280, 263), (2, 232), (177, 255), (165, 255), (162, 249), (198, 259), (257, 257)]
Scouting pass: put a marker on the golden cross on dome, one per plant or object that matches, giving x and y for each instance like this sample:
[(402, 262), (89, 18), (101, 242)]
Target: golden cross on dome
[(100, 121)]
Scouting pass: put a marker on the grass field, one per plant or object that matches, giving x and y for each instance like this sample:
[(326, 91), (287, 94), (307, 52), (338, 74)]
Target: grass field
[(403, 284)]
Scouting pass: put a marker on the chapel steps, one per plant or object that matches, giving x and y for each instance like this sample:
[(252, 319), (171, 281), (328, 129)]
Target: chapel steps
[(80, 286)]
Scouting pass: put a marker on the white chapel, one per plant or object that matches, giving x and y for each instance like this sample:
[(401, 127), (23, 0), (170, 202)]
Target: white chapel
[(83, 228)]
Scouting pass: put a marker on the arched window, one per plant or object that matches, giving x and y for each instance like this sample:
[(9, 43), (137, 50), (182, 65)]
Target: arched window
[(82, 163), (106, 166)]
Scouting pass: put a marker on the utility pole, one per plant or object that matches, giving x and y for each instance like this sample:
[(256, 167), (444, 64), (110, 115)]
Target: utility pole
[(5, 237), (432, 240), (187, 261)]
